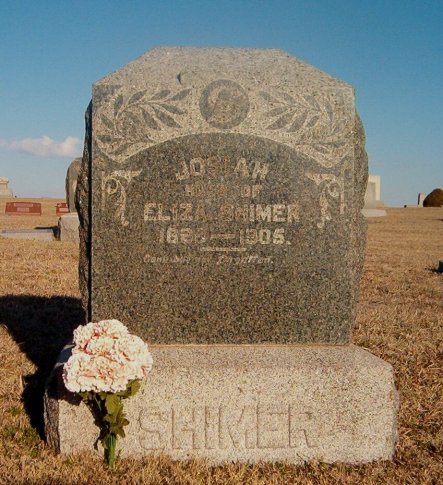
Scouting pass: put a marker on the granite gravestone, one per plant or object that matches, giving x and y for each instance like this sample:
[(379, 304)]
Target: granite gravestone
[(218, 195), (71, 182), (61, 208), (434, 199), (68, 224), (5, 191), (23, 209), (220, 201)]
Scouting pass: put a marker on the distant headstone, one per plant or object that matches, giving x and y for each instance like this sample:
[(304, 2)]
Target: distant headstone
[(68, 227), (61, 208), (420, 199), (216, 184), (440, 266), (434, 199), (23, 209), (5, 191), (372, 203), (376, 179), (71, 183), (370, 196)]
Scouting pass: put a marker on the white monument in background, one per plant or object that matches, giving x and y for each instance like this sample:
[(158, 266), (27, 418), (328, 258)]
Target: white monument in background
[(421, 197), (373, 204), (5, 191)]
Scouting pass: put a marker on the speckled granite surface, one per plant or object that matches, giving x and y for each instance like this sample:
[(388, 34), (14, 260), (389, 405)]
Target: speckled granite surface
[(220, 199), (246, 403), (68, 227)]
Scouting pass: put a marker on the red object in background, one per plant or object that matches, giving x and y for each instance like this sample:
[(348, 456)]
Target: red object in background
[(23, 209), (61, 208)]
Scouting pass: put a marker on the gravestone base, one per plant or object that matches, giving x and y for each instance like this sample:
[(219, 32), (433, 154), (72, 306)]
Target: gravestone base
[(68, 227), (33, 234), (373, 212), (245, 403)]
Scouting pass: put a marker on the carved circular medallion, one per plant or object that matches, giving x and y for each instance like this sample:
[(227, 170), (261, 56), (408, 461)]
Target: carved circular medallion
[(224, 104)]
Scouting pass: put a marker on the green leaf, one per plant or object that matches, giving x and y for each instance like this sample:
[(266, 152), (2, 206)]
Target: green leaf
[(119, 416), (135, 387), (112, 403), (105, 442), (111, 418)]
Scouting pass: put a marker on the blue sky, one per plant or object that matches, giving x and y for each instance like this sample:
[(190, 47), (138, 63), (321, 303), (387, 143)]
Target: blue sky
[(391, 51)]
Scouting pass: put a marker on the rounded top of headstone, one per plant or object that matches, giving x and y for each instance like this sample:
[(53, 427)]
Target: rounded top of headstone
[(271, 65), (171, 92), (4, 180), (434, 199), (76, 162)]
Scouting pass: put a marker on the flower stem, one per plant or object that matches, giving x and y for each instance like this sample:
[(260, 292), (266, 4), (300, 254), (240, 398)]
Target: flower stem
[(110, 444)]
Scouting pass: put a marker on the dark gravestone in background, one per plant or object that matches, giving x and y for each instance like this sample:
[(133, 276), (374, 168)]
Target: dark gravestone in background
[(220, 199), (71, 182), (434, 199)]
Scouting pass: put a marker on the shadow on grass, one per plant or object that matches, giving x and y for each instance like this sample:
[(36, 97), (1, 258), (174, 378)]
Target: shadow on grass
[(53, 228), (41, 326)]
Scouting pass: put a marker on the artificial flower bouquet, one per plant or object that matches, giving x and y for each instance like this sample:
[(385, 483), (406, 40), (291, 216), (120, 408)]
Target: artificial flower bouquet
[(106, 366)]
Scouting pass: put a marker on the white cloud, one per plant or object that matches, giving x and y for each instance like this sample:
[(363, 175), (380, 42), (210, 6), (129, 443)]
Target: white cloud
[(45, 146)]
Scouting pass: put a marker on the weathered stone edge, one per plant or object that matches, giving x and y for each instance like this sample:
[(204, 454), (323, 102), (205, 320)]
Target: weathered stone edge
[(205, 357), (83, 205)]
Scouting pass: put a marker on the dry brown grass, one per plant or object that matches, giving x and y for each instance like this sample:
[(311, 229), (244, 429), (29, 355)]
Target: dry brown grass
[(400, 319)]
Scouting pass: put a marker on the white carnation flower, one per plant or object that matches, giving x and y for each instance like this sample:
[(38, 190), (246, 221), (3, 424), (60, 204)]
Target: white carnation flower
[(105, 358)]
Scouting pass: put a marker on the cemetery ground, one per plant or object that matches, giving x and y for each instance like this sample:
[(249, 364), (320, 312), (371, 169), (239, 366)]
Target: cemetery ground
[(400, 319)]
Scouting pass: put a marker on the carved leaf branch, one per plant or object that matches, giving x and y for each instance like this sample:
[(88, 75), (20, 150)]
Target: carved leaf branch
[(135, 117), (316, 125), (290, 113)]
